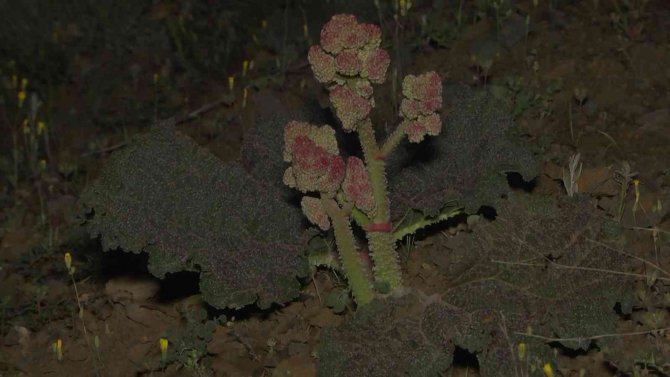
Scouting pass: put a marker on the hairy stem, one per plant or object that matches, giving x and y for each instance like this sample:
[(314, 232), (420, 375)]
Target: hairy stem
[(382, 244), (394, 139), (346, 246)]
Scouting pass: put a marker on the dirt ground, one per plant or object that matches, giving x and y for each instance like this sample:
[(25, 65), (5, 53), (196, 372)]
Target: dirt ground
[(589, 77)]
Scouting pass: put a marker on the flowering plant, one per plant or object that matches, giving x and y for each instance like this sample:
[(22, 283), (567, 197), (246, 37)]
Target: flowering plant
[(348, 61)]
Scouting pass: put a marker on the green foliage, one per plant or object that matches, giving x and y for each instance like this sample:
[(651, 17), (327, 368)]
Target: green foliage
[(385, 338), (521, 96), (188, 343), (510, 282), (338, 299), (561, 284), (166, 195), (466, 163)]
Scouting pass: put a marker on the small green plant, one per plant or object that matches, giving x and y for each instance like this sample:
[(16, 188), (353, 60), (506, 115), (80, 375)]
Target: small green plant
[(95, 347), (522, 96), (349, 60), (571, 176)]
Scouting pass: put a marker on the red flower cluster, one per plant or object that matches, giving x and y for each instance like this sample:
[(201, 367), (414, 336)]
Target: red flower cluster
[(423, 98), (349, 59), (349, 106), (344, 32), (356, 185), (316, 163)]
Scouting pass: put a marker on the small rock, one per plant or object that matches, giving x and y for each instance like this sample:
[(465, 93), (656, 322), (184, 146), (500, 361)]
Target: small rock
[(325, 318), (17, 335), (129, 289), (143, 315)]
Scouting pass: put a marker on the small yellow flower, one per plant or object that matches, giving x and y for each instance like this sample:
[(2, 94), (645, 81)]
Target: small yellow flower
[(25, 127), (163, 344), (24, 83), (57, 348), (636, 184), (264, 24), (245, 68), (548, 370), (231, 82), (521, 351), (21, 97), (404, 6), (68, 262), (41, 127)]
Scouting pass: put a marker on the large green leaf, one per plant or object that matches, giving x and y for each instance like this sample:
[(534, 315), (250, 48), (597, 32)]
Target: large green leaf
[(166, 195), (540, 273)]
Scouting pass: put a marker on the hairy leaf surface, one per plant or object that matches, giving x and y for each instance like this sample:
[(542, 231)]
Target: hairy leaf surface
[(540, 273), (542, 266), (385, 338), (466, 162), (166, 195)]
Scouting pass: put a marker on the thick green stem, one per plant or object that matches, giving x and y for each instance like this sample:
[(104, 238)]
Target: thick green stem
[(366, 135), (381, 243), (346, 247)]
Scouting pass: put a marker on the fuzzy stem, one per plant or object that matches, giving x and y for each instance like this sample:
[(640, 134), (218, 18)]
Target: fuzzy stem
[(382, 244), (346, 246), (394, 139), (359, 216), (366, 135)]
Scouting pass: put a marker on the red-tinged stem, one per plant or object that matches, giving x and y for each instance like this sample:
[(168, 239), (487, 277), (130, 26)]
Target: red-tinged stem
[(378, 227), (382, 244)]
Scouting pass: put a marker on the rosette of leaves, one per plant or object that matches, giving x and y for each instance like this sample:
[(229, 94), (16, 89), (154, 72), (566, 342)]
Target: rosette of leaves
[(543, 272), (165, 195)]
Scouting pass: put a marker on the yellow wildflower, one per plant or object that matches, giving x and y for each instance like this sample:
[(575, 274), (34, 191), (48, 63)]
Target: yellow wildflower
[(57, 348), (41, 127), (163, 344), (68, 261), (21, 97), (521, 351)]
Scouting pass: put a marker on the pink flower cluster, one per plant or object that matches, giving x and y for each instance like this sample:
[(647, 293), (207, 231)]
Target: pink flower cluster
[(316, 163), (357, 187), (349, 60), (422, 99)]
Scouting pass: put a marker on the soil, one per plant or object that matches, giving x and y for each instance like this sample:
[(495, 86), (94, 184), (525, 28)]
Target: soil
[(588, 78)]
